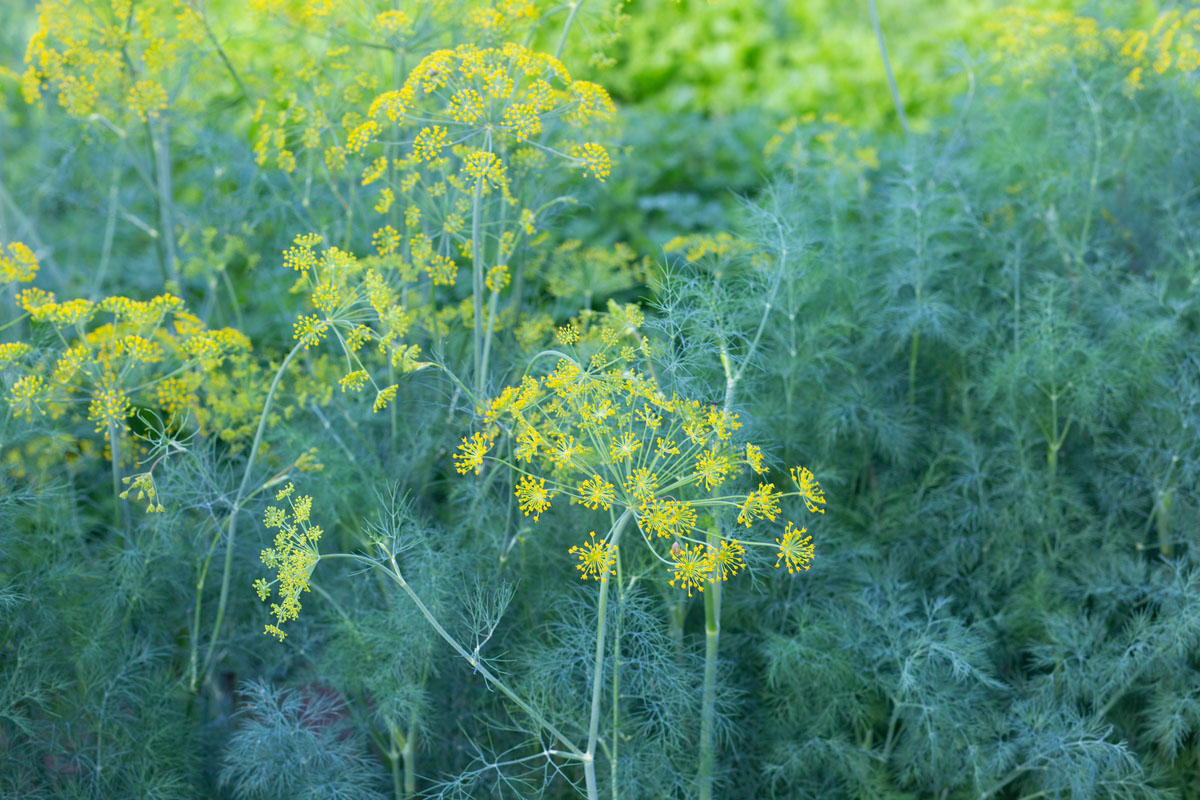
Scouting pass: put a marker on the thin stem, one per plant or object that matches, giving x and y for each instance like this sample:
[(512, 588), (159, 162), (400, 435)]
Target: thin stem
[(733, 377), (477, 284), (562, 40), (162, 175), (212, 37), (236, 509), (487, 332), (115, 452), (616, 685), (912, 369), (398, 578), (589, 764), (13, 322), (110, 227), (409, 753), (394, 755), (887, 67), (708, 701)]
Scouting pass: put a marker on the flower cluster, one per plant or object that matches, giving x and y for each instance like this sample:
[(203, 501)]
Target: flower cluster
[(292, 557), (110, 58), (828, 143), (1034, 43), (357, 305), (116, 352), (20, 265), (600, 432)]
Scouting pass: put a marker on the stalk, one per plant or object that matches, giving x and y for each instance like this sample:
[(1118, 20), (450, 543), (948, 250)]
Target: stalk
[(235, 510), (708, 700), (115, 452), (409, 754), (162, 175), (589, 763), (562, 40), (477, 284), (616, 686), (887, 67), (912, 370), (489, 677)]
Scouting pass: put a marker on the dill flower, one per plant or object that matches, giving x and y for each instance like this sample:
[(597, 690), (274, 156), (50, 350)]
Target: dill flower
[(565, 450), (597, 492), (665, 491), (809, 488), (10, 352), (386, 198), (429, 143), (19, 266), (754, 457), (641, 484), (691, 568), (760, 504), (24, 394), (594, 159), (143, 484), (354, 381), (711, 469), (384, 398), (794, 552), (726, 559), (595, 560), (568, 334), (471, 453), (623, 447), (310, 330), (109, 406), (484, 166), (292, 556), (533, 496)]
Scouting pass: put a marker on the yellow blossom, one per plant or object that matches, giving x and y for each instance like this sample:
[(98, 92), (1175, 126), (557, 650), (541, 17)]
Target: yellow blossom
[(595, 560), (533, 496), (794, 552)]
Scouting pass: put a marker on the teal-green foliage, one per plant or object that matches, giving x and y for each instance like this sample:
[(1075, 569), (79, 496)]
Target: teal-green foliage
[(985, 347)]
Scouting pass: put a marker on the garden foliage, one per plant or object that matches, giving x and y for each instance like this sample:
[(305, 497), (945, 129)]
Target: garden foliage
[(387, 412)]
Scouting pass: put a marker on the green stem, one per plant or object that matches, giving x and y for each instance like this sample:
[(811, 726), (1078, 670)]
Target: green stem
[(236, 509), (616, 686), (887, 67), (398, 578), (477, 284), (912, 370), (409, 753), (562, 40), (162, 174), (212, 37), (487, 333), (589, 764), (115, 451), (708, 700), (734, 377), (393, 754)]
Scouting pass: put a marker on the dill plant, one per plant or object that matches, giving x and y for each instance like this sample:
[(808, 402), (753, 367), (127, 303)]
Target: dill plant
[(980, 338)]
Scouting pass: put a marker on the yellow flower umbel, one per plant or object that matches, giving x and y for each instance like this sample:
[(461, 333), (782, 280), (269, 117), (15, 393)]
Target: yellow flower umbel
[(595, 560), (533, 495), (115, 355), (292, 556), (1032, 43), (601, 432), (358, 309), (691, 568), (794, 552), (115, 59)]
